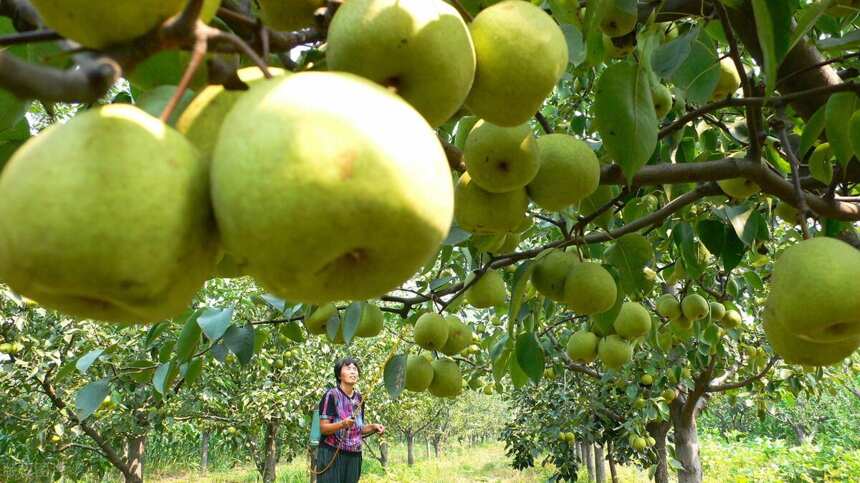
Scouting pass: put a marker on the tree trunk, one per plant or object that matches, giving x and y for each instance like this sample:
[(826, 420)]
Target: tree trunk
[(410, 448), (658, 431), (383, 454), (599, 467), (686, 443), (437, 442), (800, 433), (613, 472), (589, 461), (271, 452), (135, 450), (312, 458), (204, 451), (427, 447)]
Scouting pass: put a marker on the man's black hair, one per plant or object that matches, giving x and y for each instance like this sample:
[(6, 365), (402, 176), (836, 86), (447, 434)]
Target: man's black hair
[(345, 362)]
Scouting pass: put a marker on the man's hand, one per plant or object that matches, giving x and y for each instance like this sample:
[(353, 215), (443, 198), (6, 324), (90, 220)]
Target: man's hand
[(347, 423), (378, 428)]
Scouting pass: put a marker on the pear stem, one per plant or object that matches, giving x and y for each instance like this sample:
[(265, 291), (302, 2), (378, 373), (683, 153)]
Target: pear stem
[(800, 199), (198, 53)]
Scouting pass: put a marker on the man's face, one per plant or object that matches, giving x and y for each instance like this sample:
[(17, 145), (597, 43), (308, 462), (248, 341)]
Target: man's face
[(349, 374)]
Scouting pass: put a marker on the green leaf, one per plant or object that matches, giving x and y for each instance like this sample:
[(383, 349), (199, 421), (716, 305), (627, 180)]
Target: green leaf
[(575, 44), (240, 341), (153, 333), (90, 397), (684, 239), (530, 357), (820, 163), (625, 117), (332, 326), (275, 302), (215, 322), (698, 75), (192, 370), (713, 235), (839, 108), (294, 331), (164, 376), (139, 371), (87, 360), (773, 27), (742, 220), (807, 19), (733, 250), (351, 320), (629, 255), (518, 376), (669, 56), (500, 353), (456, 235), (189, 338), (394, 375), (518, 290), (850, 40)]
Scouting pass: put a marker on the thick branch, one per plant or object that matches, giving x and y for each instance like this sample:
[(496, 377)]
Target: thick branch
[(745, 382)]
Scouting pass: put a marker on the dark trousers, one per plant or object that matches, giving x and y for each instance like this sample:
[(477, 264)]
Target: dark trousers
[(346, 468)]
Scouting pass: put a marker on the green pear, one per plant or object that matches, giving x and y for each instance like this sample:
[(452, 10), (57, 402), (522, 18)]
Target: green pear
[(639, 444), (582, 346), (459, 336), (510, 244), (489, 243), (319, 178), (479, 211), (668, 306), (419, 373), (501, 159), (813, 291), (614, 352), (796, 350), (589, 289), (489, 291), (618, 17), (632, 321), (100, 23), (682, 323), (665, 340), (134, 249), (669, 395), (229, 267), (550, 273), (521, 56), (594, 202), (739, 188), (155, 100), (731, 319), (787, 213), (12, 109), (431, 331), (289, 15), (718, 311), (317, 322), (569, 172), (371, 321), (695, 307), (614, 48), (662, 97), (201, 120), (646, 379), (447, 380), (728, 82), (844, 8), (421, 49)]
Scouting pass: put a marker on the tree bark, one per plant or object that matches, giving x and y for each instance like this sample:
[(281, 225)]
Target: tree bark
[(135, 450), (589, 460), (427, 446), (613, 472), (437, 442), (599, 467), (686, 442), (204, 451), (271, 452), (383, 454), (658, 431), (410, 448)]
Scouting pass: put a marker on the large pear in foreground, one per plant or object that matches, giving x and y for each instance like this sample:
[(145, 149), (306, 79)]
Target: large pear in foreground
[(100, 23), (289, 15), (795, 350), (419, 48), (330, 187), (814, 290), (521, 54), (201, 121), (107, 217)]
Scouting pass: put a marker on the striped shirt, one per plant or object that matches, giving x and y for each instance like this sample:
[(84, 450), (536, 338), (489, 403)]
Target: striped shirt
[(336, 406)]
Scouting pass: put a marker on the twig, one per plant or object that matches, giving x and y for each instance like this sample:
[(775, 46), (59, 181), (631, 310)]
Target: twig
[(543, 122), (800, 199), (197, 56)]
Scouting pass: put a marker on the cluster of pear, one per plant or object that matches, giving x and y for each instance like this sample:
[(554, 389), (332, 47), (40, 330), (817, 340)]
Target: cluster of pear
[(11, 348), (303, 179), (448, 335), (639, 443), (585, 287), (812, 313), (613, 349), (694, 307), (369, 324)]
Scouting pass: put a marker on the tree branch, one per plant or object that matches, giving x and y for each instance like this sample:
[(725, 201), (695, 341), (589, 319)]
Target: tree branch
[(745, 382)]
